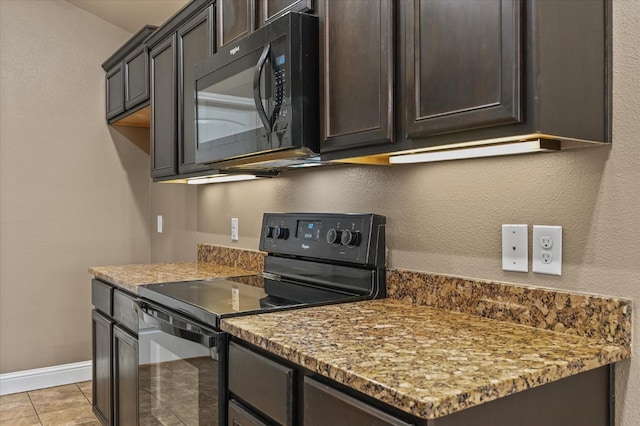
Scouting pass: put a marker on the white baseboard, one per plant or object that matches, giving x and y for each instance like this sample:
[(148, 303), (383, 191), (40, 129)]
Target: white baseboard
[(40, 378)]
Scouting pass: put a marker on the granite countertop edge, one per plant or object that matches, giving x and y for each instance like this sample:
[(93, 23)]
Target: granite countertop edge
[(130, 277)]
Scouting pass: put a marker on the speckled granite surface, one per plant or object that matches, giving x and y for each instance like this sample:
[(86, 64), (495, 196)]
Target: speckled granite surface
[(130, 277), (605, 319), (425, 361), (229, 256)]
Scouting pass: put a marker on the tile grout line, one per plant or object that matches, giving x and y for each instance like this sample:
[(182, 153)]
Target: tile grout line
[(34, 408)]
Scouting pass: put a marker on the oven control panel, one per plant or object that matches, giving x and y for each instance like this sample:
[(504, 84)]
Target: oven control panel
[(350, 237)]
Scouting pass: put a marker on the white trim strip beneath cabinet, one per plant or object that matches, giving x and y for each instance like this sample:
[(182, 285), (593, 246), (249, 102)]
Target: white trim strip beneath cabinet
[(40, 378)]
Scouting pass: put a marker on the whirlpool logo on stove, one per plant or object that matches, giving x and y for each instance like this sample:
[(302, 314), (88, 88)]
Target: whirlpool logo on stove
[(234, 50)]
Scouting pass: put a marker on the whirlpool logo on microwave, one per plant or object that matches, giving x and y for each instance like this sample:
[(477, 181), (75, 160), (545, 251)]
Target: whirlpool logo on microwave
[(234, 50)]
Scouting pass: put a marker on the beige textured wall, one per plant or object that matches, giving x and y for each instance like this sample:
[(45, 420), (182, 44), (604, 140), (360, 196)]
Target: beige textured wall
[(72, 192), (446, 217)]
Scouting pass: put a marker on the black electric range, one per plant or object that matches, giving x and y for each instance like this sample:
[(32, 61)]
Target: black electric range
[(312, 259)]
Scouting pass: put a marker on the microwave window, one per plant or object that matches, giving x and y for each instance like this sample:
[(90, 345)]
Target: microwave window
[(227, 107)]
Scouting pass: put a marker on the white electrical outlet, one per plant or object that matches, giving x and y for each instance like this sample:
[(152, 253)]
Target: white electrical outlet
[(547, 250), (515, 248), (234, 229), (159, 224)]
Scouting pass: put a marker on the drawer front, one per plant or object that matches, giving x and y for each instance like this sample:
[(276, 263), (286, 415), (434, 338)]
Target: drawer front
[(324, 405), (124, 310), (238, 416), (101, 294), (263, 383)]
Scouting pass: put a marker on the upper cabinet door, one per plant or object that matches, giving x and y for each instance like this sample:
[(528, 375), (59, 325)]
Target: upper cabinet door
[(357, 78), (136, 72), (195, 43), (236, 18), (163, 108), (462, 65), (115, 91), (272, 9)]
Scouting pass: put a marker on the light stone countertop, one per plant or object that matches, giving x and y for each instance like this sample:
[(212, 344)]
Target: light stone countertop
[(130, 277), (425, 361)]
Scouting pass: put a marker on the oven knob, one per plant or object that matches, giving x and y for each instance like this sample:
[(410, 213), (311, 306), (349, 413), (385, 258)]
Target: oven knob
[(333, 236), (281, 233), (268, 231), (350, 238)]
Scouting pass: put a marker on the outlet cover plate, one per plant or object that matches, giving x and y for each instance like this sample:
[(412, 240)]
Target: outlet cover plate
[(547, 250), (515, 248)]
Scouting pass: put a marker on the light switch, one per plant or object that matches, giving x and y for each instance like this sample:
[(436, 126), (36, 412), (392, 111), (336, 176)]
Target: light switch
[(159, 225)]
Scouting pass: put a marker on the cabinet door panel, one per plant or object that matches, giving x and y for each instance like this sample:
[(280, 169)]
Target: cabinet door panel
[(462, 65), (102, 374), (236, 18), (115, 92), (273, 9), (195, 43), (357, 56), (125, 375), (136, 72), (163, 109)]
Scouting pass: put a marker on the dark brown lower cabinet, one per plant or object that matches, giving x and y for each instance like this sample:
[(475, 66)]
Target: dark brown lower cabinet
[(260, 391), (125, 377), (115, 355), (102, 374)]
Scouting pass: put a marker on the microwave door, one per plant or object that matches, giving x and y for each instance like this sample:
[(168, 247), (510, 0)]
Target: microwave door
[(229, 120)]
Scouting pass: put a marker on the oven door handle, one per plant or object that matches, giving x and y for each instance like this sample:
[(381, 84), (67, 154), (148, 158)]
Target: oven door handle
[(178, 326), (257, 96)]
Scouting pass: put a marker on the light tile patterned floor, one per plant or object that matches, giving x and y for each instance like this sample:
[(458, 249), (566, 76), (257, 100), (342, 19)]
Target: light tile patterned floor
[(57, 406)]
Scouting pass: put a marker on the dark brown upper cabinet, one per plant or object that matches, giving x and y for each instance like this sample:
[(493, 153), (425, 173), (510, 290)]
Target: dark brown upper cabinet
[(115, 91), (463, 65), (175, 49), (163, 109), (473, 71), (268, 10), (357, 73), (237, 18), (195, 43), (127, 81)]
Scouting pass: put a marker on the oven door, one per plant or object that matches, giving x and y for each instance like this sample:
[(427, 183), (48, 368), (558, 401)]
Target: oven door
[(181, 369)]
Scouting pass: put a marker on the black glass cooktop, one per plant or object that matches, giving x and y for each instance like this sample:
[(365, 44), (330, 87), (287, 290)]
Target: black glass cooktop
[(210, 300)]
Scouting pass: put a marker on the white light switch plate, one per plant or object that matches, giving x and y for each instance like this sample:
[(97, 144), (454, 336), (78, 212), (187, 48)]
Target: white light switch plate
[(547, 250), (159, 224), (515, 248)]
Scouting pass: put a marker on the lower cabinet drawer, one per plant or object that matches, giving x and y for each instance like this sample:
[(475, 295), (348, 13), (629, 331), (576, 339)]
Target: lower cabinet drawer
[(101, 296), (239, 416), (124, 310), (325, 406), (262, 383)]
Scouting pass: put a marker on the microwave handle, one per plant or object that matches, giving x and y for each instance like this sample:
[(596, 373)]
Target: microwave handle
[(257, 96)]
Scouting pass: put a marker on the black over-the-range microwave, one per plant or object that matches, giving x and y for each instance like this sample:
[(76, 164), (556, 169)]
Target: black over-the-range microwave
[(257, 98)]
